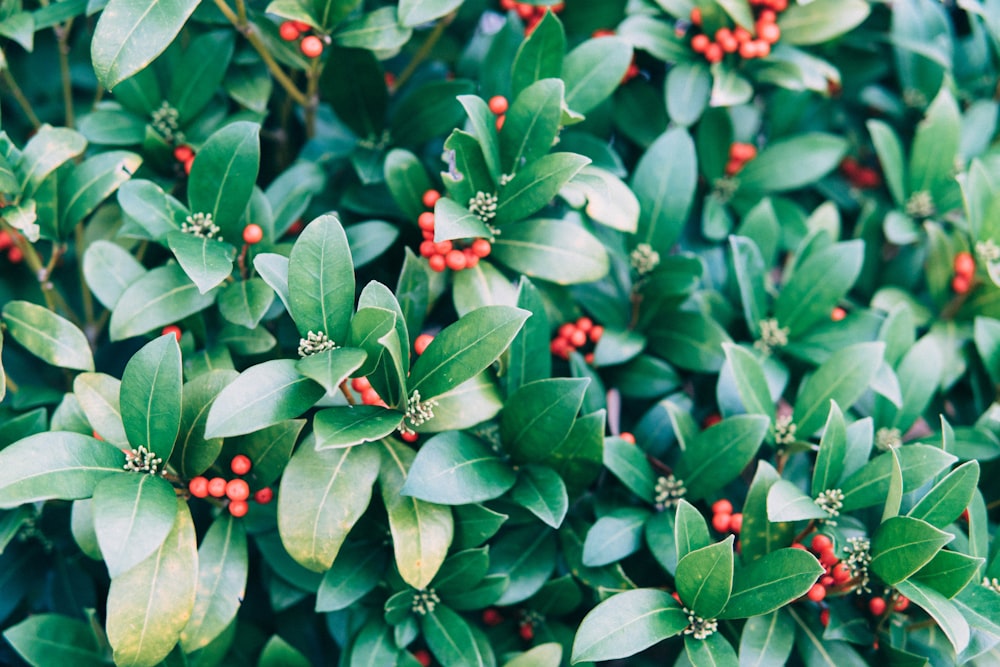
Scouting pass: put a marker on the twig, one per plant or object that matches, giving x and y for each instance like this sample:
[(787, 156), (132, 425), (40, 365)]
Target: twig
[(62, 35), (425, 50), (19, 96)]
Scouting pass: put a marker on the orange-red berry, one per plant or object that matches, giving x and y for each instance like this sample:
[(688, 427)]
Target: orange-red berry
[(492, 617), (720, 522), (736, 523), (238, 508), (742, 152), (288, 32), (711, 420), (964, 264), (524, 10), (421, 343), (578, 339), (437, 263), (302, 26), (742, 35), (763, 48), (567, 330), (722, 506), (725, 39), (748, 50), (585, 324), (713, 53), (427, 249), (217, 487), (627, 437), (443, 248), (837, 314), (877, 606), (183, 153), (423, 657), (237, 489), (360, 384), (527, 632), (264, 496), (240, 464), (902, 603), (455, 259), (769, 32), (595, 333), (821, 543), (252, 234), (471, 258), (696, 16), (959, 284), (816, 593), (498, 104), (172, 329), (500, 121), (824, 617), (426, 221), (841, 573), (198, 486), (430, 198), (481, 247), (311, 46), (699, 43), (188, 164), (370, 396), (409, 436)]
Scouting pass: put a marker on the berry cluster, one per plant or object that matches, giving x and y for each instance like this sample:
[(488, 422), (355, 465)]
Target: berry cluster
[(965, 270), (860, 176), (236, 490), (574, 336), (310, 45), (14, 254), (739, 155), (529, 13), (447, 254), (837, 574), (184, 154), (724, 520), (739, 40)]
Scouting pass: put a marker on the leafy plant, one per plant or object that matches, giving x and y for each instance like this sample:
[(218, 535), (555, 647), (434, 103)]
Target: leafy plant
[(475, 333)]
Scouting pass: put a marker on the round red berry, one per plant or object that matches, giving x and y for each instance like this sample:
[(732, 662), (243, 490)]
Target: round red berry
[(198, 486), (527, 632), (302, 26), (828, 558), (877, 606), (713, 53), (471, 258), (711, 420), (627, 437), (498, 104), (722, 506), (821, 543), (596, 333), (492, 617), (736, 523), (6, 240), (481, 247), (816, 593), (695, 16), (252, 234), (959, 284), (288, 32), (769, 32), (824, 617), (826, 580), (183, 153), (370, 396), (430, 198), (720, 522), (902, 603), (699, 43), (217, 487), (409, 436), (427, 249), (455, 259), (264, 496), (238, 508), (311, 46), (578, 339), (837, 314), (423, 657), (426, 221), (964, 264), (437, 263), (841, 573), (360, 384), (171, 329), (237, 489), (240, 464), (421, 343)]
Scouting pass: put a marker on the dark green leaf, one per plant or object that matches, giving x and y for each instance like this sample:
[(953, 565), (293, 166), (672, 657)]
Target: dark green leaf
[(149, 207), (538, 416), (843, 378), (245, 302), (771, 582), (767, 640), (48, 336), (531, 126), (560, 252), (91, 183), (207, 262), (629, 464), (751, 383), (162, 296), (869, 485), (818, 285), (151, 396), (821, 21), (98, 394), (689, 85), (593, 70), (453, 468), (540, 55), (356, 570), (704, 578), (534, 185), (133, 514), (664, 182), (542, 492), (321, 280), (690, 529), (713, 650), (109, 270), (832, 451), (345, 426), (948, 498), (718, 454), (332, 367), (222, 580), (814, 155), (223, 175), (49, 639), (44, 152), (691, 341), (627, 623), (452, 641), (948, 617), (902, 545), (949, 572), (786, 502), (614, 536)]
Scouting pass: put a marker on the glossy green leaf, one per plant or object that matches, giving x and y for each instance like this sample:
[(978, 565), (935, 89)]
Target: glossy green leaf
[(832, 451), (629, 464), (627, 623), (321, 280), (542, 492), (691, 341), (712, 650), (947, 616), (538, 416), (452, 641), (151, 396), (869, 485), (128, 36), (843, 378), (540, 56), (759, 535), (279, 653), (821, 21), (689, 86), (48, 336), (814, 155), (902, 545), (148, 206), (429, 111), (204, 64), (377, 30), (786, 502), (49, 639), (552, 250), (453, 468), (949, 497), (109, 270), (704, 578), (935, 145), (207, 262), (407, 181), (464, 349), (222, 580), (593, 71), (751, 383), (664, 181), (194, 453), (269, 449), (245, 302), (718, 454), (534, 185), (482, 125), (767, 640), (223, 175), (771, 582), (542, 655), (323, 494), (91, 183), (98, 394), (421, 531), (352, 425), (162, 296), (133, 514), (690, 529), (949, 572), (278, 392), (891, 158), (72, 467), (818, 285), (356, 570), (531, 126), (45, 151), (374, 645), (614, 536)]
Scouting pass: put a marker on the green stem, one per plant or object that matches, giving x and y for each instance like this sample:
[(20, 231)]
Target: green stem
[(18, 94), (425, 50), (62, 36)]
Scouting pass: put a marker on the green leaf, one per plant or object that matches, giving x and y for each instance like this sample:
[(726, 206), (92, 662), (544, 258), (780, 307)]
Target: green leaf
[(528, 357), (245, 302), (207, 262), (128, 37), (891, 158), (593, 71), (109, 269), (193, 453), (560, 252), (712, 650), (151, 396), (629, 464), (814, 155), (321, 280), (832, 452), (949, 572), (704, 578), (690, 529), (149, 207), (948, 498), (771, 582), (407, 181), (323, 494), (843, 378), (691, 341), (223, 175), (751, 383), (534, 185), (97, 394), (627, 623), (222, 580), (786, 502), (149, 605), (689, 86), (540, 55), (821, 21), (71, 468), (948, 617), (538, 417), (464, 349), (454, 221), (482, 125), (935, 145), (609, 200), (51, 639), (279, 653), (421, 531), (133, 514), (91, 183), (614, 536), (542, 655), (453, 468), (48, 336), (378, 30), (452, 641), (869, 485), (374, 645), (894, 497), (902, 545), (429, 111), (470, 403), (44, 153), (664, 181), (818, 285), (541, 491), (162, 296), (269, 449), (531, 126), (759, 535), (767, 640), (368, 240), (356, 570), (112, 126), (351, 425), (717, 455), (204, 64), (415, 12), (278, 390)]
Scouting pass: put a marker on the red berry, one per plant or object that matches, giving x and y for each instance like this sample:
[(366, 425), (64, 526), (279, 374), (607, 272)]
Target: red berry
[(97, 436), (188, 164), (295, 228), (799, 545), (602, 32), (567, 330), (443, 248), (959, 284), (428, 235), (876, 606), (742, 152), (426, 221), (769, 32), (627, 437), (237, 489), (826, 580), (742, 35), (471, 259), (264, 496), (589, 358), (524, 10), (390, 79), (828, 558), (721, 522), (560, 348), (217, 487), (6, 240), (437, 263), (578, 339), (696, 16), (499, 123), (198, 486), (430, 198), (726, 40), (183, 153), (498, 105), (779, 5), (421, 343), (733, 167), (964, 264), (288, 32), (821, 543), (763, 48), (902, 603), (240, 464), (816, 593), (360, 384), (455, 259), (527, 632), (596, 333), (507, 5), (172, 329), (370, 396), (711, 420), (409, 436), (481, 247), (302, 26), (841, 573), (492, 617), (311, 46), (736, 523), (965, 515), (838, 314), (427, 248), (722, 507), (824, 617), (585, 324), (699, 43), (238, 508), (423, 657), (748, 50), (252, 234), (713, 53)]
